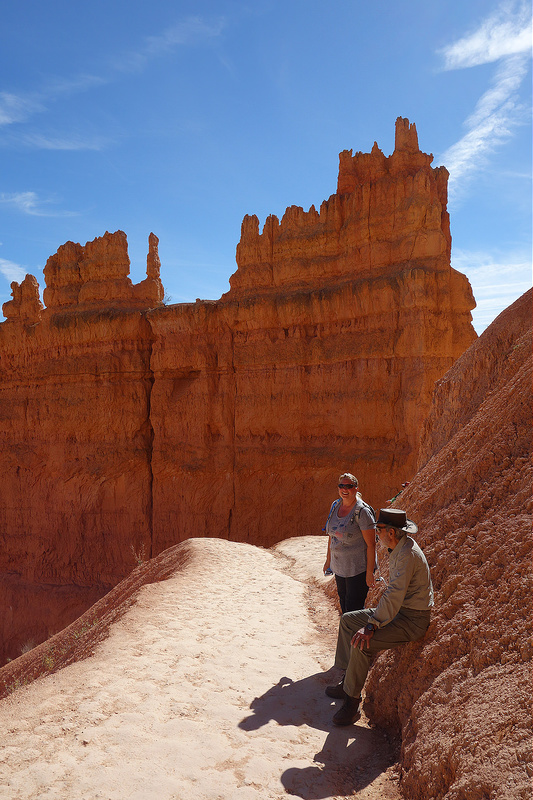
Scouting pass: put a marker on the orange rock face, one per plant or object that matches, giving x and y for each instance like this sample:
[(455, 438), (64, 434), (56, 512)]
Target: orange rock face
[(462, 696), (97, 275), (388, 218), (128, 426), (76, 437)]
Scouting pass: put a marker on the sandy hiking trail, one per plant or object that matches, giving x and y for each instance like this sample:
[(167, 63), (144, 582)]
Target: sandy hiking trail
[(211, 686)]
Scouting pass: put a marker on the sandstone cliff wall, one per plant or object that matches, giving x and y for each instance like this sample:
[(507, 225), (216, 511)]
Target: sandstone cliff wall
[(286, 390), (462, 696), (128, 426), (321, 357)]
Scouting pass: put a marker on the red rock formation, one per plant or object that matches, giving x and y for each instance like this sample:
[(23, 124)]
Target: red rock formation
[(462, 696), (324, 352), (128, 426), (76, 437), (388, 217), (97, 275), (26, 305)]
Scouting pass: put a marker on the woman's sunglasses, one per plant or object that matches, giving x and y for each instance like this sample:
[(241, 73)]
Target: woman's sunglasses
[(346, 485)]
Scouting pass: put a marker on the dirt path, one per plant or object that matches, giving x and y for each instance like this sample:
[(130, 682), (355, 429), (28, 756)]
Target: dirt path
[(210, 686)]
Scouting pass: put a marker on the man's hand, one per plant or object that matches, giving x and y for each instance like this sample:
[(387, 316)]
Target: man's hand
[(370, 581), (362, 638)]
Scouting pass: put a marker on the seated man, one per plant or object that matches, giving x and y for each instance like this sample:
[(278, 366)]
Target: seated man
[(402, 614)]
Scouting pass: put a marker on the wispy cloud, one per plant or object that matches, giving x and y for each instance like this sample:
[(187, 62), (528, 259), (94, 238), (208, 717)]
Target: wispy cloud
[(188, 32), (75, 84), (11, 271), (497, 280), (497, 114), (16, 108), (30, 203), (20, 107), (71, 142), (504, 37), (51, 141), (506, 32)]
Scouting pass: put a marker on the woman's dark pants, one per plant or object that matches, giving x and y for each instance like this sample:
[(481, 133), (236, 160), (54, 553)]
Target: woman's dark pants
[(352, 592)]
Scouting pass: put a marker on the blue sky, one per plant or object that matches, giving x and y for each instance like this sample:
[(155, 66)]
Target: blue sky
[(181, 117)]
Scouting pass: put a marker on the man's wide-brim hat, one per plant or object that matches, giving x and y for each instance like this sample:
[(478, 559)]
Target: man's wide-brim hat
[(396, 518)]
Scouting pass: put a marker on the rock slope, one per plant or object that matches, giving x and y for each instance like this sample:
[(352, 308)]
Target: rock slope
[(462, 697)]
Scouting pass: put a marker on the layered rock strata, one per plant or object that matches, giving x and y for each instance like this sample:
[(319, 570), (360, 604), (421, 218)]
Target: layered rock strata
[(76, 507), (462, 696), (128, 426), (321, 357)]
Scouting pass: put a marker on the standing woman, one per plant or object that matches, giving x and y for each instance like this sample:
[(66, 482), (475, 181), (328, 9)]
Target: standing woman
[(351, 544)]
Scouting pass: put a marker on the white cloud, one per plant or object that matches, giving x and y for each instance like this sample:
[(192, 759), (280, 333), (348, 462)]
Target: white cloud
[(11, 271), (487, 265), (489, 308), (50, 141), (24, 201), (497, 281), (14, 108), (18, 108), (72, 142), (188, 32), (497, 115), (504, 37), (506, 83), (30, 203), (76, 84), (507, 32)]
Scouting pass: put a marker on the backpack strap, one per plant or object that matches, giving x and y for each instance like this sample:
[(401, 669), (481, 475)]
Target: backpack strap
[(368, 507), (332, 509)]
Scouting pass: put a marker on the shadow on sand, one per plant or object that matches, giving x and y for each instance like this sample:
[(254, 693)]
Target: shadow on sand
[(351, 757)]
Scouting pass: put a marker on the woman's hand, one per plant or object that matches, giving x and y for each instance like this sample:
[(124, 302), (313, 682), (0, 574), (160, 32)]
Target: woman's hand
[(326, 566), (369, 535)]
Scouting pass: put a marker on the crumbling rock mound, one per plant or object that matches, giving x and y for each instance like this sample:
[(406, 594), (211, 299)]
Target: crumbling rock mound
[(462, 696), (492, 360)]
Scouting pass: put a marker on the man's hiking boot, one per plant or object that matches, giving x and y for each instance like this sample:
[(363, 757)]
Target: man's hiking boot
[(336, 691), (349, 712)]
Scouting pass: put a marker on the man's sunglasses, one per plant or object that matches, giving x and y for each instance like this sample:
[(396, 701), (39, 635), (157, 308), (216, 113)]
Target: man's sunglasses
[(346, 485)]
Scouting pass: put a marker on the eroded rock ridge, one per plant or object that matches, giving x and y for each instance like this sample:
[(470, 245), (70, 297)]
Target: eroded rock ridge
[(462, 696)]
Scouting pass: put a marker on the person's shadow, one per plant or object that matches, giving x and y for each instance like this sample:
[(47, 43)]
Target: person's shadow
[(292, 703), (351, 757)]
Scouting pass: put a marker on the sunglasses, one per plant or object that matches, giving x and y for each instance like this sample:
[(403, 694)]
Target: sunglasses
[(346, 485)]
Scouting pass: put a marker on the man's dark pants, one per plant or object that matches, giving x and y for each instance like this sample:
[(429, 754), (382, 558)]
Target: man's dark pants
[(407, 626)]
